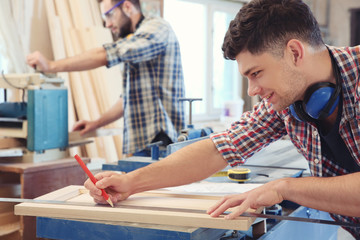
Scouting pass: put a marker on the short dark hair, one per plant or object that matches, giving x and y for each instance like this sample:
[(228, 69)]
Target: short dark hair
[(136, 3), (268, 25)]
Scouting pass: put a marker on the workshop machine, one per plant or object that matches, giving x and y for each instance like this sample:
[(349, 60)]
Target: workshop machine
[(187, 136), (40, 119), (190, 132)]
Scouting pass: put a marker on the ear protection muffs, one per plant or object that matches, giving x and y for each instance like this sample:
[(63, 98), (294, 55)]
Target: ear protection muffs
[(320, 99)]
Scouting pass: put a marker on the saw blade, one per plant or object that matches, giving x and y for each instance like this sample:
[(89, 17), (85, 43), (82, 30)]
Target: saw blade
[(153, 208)]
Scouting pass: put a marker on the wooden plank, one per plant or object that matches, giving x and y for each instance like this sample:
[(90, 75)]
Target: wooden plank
[(97, 87), (56, 24), (121, 213), (107, 82), (101, 132), (91, 97), (63, 11), (96, 13), (7, 218), (41, 166), (15, 132), (80, 96), (12, 143), (10, 231), (81, 14)]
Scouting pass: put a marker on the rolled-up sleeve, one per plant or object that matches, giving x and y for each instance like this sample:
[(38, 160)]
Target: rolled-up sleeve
[(254, 131)]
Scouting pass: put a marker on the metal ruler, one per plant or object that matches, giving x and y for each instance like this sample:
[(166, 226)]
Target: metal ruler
[(245, 214)]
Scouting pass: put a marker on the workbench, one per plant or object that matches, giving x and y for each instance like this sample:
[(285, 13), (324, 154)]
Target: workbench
[(133, 219), (30, 180), (280, 154)]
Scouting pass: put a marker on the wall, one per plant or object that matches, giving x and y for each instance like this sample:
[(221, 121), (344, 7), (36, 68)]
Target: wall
[(339, 24)]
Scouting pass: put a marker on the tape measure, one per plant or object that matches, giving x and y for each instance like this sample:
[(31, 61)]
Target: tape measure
[(235, 174)]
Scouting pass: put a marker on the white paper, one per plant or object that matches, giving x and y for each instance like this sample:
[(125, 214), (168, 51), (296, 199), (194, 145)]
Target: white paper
[(214, 188)]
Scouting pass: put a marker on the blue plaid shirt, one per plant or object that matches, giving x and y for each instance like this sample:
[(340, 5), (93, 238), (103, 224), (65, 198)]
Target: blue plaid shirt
[(258, 128), (152, 83)]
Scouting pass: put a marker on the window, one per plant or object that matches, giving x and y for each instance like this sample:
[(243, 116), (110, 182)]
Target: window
[(200, 26)]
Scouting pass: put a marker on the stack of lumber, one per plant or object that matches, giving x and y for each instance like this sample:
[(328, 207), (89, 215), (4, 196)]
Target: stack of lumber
[(76, 26)]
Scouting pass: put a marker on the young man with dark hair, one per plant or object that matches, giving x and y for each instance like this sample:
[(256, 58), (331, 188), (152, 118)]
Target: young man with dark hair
[(310, 92), (152, 80)]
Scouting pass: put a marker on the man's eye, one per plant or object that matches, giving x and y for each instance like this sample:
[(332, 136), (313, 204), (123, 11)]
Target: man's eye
[(254, 74)]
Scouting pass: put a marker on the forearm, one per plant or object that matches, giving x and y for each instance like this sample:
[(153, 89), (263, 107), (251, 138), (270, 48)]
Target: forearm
[(113, 114), (88, 60), (339, 195), (190, 164)]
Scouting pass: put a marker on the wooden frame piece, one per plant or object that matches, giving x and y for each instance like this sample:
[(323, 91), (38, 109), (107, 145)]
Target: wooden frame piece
[(159, 198)]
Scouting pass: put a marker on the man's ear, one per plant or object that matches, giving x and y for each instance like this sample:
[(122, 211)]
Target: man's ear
[(296, 51), (127, 7)]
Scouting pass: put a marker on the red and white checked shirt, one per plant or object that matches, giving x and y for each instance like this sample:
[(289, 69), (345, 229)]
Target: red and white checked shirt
[(261, 126)]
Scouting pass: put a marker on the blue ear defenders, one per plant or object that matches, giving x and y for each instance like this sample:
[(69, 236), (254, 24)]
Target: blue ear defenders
[(320, 99)]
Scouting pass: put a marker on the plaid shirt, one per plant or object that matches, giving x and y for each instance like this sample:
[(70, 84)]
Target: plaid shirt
[(153, 82), (258, 128)]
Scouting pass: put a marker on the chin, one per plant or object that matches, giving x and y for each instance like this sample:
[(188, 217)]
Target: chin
[(278, 107)]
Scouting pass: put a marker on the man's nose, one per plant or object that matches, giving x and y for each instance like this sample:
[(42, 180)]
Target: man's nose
[(253, 89), (108, 23)]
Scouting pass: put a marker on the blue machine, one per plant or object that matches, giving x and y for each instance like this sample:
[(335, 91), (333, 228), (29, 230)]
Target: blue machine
[(42, 120), (47, 115), (299, 231), (190, 132), (186, 136)]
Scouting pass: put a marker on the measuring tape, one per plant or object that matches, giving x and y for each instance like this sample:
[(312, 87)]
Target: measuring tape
[(235, 174)]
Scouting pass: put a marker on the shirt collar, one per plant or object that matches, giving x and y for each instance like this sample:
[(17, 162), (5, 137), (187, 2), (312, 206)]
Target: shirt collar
[(140, 21)]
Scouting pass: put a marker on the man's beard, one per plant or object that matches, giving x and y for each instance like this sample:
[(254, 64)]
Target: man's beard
[(125, 29)]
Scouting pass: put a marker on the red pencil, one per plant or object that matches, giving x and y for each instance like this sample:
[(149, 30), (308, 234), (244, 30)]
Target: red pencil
[(93, 179)]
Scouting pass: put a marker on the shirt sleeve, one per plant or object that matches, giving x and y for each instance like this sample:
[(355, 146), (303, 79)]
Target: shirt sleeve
[(148, 41), (254, 130)]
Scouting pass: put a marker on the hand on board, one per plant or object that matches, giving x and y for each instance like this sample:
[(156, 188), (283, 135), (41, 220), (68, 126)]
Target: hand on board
[(84, 126), (116, 186), (38, 62), (264, 196)]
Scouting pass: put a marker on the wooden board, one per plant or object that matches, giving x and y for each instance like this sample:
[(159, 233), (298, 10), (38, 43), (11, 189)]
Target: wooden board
[(164, 199), (11, 142), (101, 132)]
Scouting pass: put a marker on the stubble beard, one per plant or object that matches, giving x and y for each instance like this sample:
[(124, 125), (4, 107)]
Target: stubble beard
[(125, 28), (294, 81)]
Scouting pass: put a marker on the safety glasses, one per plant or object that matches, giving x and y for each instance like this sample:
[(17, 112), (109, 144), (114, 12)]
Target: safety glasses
[(110, 13)]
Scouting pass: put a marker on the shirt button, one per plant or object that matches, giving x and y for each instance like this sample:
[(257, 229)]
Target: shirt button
[(316, 161), (315, 134)]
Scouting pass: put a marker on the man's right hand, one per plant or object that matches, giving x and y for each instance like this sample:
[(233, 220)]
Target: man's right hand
[(39, 62), (85, 126), (116, 185)]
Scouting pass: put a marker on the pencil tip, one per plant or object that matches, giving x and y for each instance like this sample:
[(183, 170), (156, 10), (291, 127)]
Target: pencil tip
[(110, 202)]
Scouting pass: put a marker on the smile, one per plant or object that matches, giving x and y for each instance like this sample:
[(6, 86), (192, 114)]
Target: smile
[(268, 97)]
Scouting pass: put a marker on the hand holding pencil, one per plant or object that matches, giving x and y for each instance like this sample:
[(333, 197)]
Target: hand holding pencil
[(93, 179)]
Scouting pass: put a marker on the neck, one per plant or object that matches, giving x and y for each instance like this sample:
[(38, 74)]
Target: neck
[(135, 18), (321, 67)]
